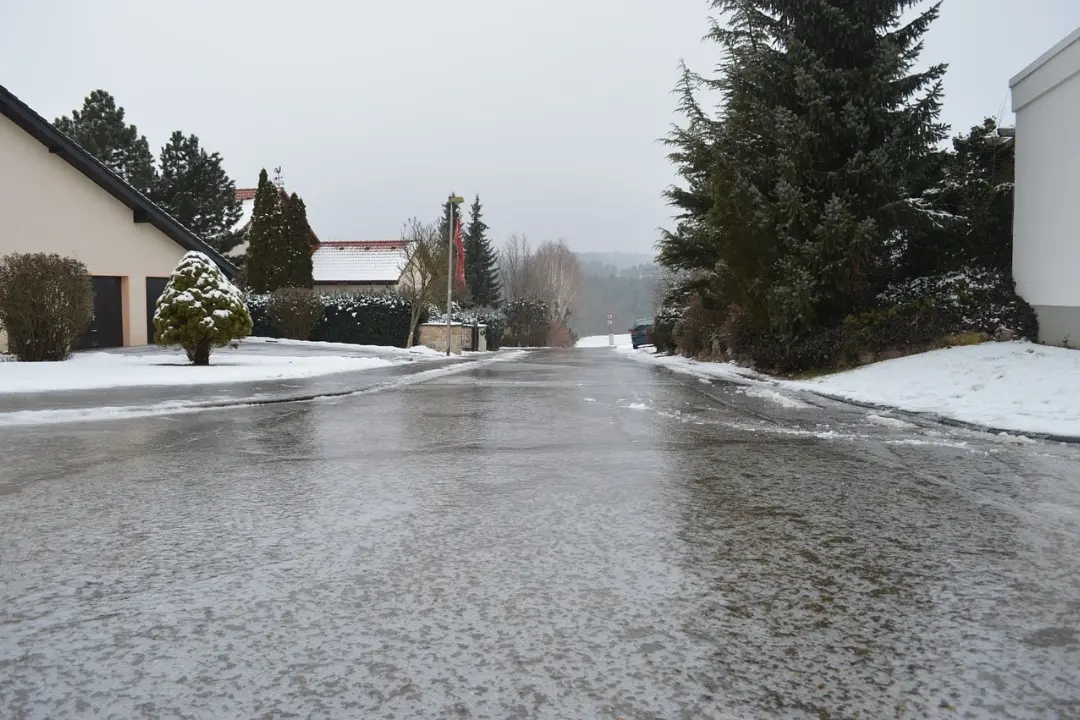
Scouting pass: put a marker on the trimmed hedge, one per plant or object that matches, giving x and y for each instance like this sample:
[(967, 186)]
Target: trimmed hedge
[(358, 318)]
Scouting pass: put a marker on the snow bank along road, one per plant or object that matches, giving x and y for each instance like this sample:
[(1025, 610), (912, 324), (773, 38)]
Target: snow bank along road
[(570, 534)]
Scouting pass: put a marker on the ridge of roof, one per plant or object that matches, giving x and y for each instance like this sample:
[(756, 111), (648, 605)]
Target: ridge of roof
[(143, 209)]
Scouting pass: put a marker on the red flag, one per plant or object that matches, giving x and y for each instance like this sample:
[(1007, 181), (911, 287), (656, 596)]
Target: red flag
[(459, 254)]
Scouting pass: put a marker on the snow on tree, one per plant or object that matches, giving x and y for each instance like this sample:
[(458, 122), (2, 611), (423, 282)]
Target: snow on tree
[(200, 309), (101, 130), (194, 188)]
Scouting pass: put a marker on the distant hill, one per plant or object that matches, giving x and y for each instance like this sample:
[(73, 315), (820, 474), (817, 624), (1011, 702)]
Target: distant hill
[(617, 260), (623, 284)]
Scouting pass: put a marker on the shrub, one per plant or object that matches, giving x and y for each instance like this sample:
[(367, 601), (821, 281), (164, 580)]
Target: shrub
[(664, 328), (46, 303), (526, 323), (295, 312), (560, 336), (358, 318), (200, 309)]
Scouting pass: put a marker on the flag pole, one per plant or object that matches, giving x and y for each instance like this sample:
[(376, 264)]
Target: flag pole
[(453, 201)]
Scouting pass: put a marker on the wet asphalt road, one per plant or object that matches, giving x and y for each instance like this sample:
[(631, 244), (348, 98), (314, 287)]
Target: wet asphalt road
[(568, 535)]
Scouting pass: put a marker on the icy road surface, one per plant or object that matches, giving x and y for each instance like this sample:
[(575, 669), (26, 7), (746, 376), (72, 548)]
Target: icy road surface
[(568, 535)]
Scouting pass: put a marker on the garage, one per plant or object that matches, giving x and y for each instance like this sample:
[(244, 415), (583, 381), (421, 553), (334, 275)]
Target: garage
[(107, 329), (154, 287)]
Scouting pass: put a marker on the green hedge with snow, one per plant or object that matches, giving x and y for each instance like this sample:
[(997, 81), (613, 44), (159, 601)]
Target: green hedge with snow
[(359, 318)]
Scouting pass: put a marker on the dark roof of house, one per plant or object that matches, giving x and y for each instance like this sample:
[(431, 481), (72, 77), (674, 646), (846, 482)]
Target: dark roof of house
[(143, 210)]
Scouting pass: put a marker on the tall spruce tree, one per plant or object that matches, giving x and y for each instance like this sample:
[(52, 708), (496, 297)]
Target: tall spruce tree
[(101, 130), (799, 189), (481, 263), (194, 188), (267, 253), (298, 266)]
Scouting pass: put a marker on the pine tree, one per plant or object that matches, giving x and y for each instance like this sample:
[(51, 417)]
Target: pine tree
[(298, 267), (481, 264), (267, 254), (200, 309), (101, 130), (193, 187), (806, 174)]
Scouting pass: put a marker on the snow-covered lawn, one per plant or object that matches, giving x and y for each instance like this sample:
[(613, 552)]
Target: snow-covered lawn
[(86, 371), (1020, 387), (419, 350), (597, 341)]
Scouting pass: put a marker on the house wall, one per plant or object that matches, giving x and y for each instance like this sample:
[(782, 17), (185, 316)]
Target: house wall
[(48, 206), (1046, 252)]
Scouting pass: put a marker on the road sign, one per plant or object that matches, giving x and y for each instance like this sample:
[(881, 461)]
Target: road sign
[(610, 317)]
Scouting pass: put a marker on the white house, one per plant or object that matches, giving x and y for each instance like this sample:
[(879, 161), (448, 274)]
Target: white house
[(56, 198), (364, 266), (1046, 237)]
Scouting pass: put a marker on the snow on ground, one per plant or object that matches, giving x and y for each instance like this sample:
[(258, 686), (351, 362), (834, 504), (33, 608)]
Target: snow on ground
[(1019, 387), (312, 344), (687, 366), (85, 371), (597, 341)]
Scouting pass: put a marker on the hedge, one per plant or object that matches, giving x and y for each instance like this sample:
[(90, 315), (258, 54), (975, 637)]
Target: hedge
[(358, 318)]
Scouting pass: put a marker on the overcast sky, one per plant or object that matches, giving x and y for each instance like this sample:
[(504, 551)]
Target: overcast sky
[(377, 110)]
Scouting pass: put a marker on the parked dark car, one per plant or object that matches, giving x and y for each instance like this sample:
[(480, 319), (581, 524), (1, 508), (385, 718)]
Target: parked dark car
[(642, 333)]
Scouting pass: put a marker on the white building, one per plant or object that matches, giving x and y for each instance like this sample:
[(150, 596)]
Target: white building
[(1046, 237)]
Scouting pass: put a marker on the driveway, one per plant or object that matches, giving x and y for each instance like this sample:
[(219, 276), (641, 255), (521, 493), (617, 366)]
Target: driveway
[(568, 535)]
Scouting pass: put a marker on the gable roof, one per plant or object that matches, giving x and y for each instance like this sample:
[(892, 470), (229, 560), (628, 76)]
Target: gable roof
[(375, 262), (143, 210)]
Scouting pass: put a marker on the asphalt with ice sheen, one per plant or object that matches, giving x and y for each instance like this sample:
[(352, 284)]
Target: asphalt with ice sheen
[(569, 534)]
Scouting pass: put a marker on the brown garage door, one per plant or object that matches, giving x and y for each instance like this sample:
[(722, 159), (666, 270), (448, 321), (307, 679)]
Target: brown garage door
[(107, 329), (154, 287)]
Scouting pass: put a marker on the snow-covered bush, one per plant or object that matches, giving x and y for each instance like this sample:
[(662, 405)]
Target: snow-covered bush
[(295, 312), (492, 318), (200, 309), (46, 303), (526, 323)]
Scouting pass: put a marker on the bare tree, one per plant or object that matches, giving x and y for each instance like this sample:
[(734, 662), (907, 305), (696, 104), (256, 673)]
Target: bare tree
[(424, 279), (554, 275), (513, 259)]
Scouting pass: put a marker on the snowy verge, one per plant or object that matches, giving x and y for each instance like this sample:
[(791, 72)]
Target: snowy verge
[(601, 341), (76, 415), (418, 350), (1016, 387), (94, 370)]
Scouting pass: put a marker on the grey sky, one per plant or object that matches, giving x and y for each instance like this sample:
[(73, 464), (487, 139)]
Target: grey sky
[(376, 110)]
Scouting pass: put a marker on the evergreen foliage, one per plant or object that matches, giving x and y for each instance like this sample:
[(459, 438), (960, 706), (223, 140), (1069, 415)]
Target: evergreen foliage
[(358, 318), (194, 188), (297, 272), (101, 130), (481, 262), (200, 309), (267, 253), (794, 198)]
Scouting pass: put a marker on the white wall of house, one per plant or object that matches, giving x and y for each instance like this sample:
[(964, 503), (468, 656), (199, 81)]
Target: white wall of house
[(46, 205), (1046, 253)]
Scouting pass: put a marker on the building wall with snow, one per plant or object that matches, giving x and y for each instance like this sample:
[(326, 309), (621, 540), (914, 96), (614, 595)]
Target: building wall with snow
[(1046, 253), (48, 206)]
